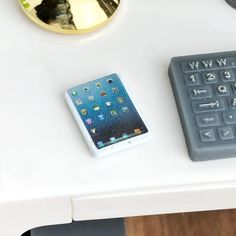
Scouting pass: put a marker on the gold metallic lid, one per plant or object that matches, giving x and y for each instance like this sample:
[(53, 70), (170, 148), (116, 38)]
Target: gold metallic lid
[(70, 16)]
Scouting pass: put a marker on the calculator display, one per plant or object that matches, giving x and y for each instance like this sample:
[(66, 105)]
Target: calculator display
[(107, 111)]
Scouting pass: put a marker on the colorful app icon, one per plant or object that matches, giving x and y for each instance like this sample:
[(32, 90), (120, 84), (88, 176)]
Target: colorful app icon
[(137, 131), (101, 117), (100, 144), (79, 102), (113, 113), (125, 135), (115, 90), (89, 121), (103, 94), (96, 108), (108, 104), (86, 89), (109, 81), (84, 112), (91, 98), (120, 99), (98, 84), (93, 131), (125, 109), (74, 93), (112, 139)]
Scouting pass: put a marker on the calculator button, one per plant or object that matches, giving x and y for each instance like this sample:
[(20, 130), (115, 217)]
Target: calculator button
[(192, 79), (234, 88), (200, 92), (207, 135), (208, 120), (225, 133), (232, 102), (222, 90), (227, 76), (229, 117), (210, 78), (208, 106)]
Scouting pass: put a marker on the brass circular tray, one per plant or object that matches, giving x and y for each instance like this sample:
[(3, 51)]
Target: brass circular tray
[(70, 16)]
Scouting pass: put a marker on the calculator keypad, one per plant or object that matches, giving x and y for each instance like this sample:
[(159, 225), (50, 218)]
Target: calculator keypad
[(207, 97)]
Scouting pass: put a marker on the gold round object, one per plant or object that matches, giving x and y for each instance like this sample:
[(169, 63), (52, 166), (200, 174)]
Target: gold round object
[(70, 16)]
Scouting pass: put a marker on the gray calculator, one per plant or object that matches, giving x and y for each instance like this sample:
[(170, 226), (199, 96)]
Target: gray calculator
[(204, 87)]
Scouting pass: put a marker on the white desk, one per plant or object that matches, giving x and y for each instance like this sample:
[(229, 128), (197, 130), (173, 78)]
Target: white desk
[(46, 173)]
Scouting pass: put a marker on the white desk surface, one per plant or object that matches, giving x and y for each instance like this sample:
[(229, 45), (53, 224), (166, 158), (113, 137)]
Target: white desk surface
[(46, 173)]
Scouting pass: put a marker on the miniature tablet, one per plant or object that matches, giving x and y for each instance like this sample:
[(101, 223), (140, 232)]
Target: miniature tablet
[(106, 115)]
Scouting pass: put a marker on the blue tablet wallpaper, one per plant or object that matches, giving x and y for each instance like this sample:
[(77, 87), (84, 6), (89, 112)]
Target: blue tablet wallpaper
[(107, 111)]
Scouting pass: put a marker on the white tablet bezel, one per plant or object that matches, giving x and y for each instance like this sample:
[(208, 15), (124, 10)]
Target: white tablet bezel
[(136, 140)]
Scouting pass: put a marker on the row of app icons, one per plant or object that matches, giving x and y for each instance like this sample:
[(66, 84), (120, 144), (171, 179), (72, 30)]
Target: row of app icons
[(101, 144), (99, 84), (98, 108), (91, 98), (102, 117), (102, 93)]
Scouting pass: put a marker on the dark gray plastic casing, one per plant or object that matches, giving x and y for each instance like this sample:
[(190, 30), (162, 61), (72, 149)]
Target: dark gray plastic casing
[(198, 150)]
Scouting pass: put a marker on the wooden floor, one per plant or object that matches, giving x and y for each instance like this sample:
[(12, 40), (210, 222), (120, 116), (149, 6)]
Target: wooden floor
[(214, 223)]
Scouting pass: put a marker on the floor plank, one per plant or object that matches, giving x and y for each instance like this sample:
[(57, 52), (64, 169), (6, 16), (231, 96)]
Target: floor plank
[(214, 223)]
